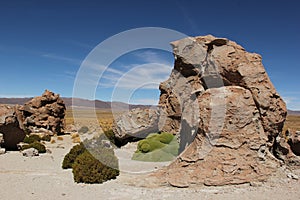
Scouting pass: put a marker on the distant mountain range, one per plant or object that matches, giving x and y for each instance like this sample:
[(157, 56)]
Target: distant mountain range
[(97, 103), (293, 112), (84, 103)]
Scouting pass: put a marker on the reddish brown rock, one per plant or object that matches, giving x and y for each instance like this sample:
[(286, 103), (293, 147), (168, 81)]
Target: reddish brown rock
[(44, 114), (227, 112), (10, 127)]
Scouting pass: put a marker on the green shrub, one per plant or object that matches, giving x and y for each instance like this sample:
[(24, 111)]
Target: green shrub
[(92, 161), (87, 169), (37, 145), (165, 138), (31, 139), (46, 138), (154, 156), (83, 129), (157, 148), (72, 155), (148, 145)]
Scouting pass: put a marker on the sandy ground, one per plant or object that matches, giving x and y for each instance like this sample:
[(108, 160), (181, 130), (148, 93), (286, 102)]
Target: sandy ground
[(43, 178)]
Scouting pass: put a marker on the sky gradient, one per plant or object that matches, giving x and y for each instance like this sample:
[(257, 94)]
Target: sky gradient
[(43, 43)]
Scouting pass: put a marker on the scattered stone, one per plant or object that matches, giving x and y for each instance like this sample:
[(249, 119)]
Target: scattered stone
[(135, 125), (221, 102), (2, 151), (292, 176), (30, 152)]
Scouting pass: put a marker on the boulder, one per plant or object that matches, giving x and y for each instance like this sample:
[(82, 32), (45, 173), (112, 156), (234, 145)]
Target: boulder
[(44, 115), (135, 124), (221, 102), (30, 152), (2, 150), (10, 127)]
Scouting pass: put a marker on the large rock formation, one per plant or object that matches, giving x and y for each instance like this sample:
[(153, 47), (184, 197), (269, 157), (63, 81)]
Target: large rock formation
[(42, 115), (10, 127), (135, 124), (226, 110)]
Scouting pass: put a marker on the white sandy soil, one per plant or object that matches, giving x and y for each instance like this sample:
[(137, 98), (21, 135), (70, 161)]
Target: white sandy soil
[(43, 178)]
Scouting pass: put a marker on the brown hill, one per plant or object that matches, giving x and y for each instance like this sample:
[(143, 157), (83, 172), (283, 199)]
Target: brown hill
[(83, 103), (293, 112)]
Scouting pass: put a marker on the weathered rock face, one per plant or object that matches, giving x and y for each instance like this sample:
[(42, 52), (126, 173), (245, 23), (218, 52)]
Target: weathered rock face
[(44, 114), (287, 148), (226, 110), (135, 125), (10, 127)]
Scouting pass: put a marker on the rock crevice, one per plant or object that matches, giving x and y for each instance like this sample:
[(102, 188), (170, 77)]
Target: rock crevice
[(228, 114)]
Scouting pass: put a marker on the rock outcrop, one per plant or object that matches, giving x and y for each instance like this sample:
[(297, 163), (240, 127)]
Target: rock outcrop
[(10, 127), (44, 114), (287, 148), (135, 124), (226, 110)]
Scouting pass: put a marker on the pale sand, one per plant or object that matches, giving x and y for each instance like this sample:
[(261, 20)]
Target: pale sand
[(43, 178)]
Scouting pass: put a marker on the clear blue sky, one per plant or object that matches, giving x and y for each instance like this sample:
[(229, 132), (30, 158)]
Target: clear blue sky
[(42, 43)]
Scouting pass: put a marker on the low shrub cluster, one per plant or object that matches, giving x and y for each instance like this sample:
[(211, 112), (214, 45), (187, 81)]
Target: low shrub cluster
[(31, 139), (88, 169), (92, 162), (70, 158), (157, 148), (37, 145), (36, 138)]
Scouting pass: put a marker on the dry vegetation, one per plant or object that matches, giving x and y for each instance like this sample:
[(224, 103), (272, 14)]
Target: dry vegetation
[(292, 122), (105, 117)]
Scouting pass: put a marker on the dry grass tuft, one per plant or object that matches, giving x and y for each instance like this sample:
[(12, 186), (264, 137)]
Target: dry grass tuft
[(60, 138)]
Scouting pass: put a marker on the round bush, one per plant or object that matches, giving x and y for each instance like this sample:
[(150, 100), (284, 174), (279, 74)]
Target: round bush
[(148, 145), (145, 147), (165, 138), (37, 145), (70, 158), (157, 148), (87, 169)]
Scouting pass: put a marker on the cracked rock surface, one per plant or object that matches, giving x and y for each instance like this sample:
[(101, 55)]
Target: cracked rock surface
[(227, 112)]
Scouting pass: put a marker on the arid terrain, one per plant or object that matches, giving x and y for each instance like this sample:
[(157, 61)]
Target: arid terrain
[(43, 178)]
